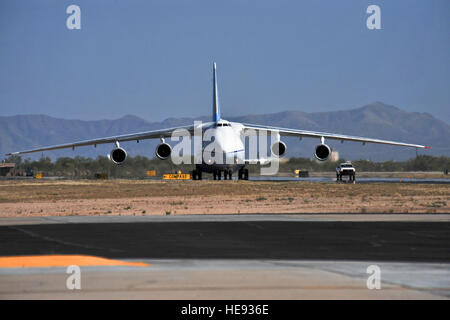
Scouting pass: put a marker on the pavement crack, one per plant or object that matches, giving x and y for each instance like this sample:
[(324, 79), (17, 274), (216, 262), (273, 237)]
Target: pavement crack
[(66, 243)]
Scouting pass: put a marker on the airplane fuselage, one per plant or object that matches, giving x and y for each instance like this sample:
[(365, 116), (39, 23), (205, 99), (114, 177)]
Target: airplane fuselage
[(223, 147)]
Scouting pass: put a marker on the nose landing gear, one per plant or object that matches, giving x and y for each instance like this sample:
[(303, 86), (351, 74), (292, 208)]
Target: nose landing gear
[(217, 174), (227, 175)]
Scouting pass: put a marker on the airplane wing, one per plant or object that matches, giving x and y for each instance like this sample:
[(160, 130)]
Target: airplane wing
[(154, 134), (324, 135)]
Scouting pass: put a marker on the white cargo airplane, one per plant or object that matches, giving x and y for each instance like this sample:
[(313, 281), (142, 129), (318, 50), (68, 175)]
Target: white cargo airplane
[(229, 137)]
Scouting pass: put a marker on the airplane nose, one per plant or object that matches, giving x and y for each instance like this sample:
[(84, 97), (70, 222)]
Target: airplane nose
[(226, 145)]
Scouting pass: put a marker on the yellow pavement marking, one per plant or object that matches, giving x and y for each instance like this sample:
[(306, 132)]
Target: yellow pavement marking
[(62, 261)]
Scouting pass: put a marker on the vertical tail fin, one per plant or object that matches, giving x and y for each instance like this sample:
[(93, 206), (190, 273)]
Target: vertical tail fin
[(216, 106)]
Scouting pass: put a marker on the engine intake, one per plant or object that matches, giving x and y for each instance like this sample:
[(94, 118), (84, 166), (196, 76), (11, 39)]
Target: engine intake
[(118, 155), (163, 151), (278, 148), (322, 152)]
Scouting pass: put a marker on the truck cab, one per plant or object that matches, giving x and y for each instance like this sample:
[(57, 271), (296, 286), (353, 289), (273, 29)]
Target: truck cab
[(345, 169)]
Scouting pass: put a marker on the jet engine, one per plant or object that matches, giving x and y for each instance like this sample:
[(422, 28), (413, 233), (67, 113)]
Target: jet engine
[(322, 152), (118, 155), (278, 148), (163, 151)]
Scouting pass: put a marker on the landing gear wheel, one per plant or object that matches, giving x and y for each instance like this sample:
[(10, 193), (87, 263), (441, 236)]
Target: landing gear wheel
[(245, 174), (194, 174)]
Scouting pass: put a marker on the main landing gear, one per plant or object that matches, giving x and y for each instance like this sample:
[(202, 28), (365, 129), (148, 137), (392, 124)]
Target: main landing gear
[(196, 174), (243, 174)]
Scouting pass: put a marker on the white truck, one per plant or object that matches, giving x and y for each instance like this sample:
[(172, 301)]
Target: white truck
[(346, 169)]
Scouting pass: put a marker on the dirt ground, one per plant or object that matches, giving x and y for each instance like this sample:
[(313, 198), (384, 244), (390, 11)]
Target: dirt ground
[(151, 197)]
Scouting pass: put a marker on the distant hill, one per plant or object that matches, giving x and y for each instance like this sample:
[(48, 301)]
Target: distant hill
[(376, 120)]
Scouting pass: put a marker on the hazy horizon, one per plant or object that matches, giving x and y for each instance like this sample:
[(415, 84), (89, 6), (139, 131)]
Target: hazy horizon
[(208, 115)]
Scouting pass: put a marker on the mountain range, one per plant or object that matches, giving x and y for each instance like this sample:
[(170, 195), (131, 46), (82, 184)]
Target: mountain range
[(375, 120)]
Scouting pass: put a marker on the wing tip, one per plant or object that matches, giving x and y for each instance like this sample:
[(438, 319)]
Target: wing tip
[(427, 147)]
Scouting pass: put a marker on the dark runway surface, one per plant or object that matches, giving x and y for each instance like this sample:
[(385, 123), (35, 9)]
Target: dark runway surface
[(380, 241)]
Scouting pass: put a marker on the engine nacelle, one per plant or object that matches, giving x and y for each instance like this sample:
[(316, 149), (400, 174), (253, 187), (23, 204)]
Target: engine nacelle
[(322, 152), (118, 155), (278, 149), (163, 151)]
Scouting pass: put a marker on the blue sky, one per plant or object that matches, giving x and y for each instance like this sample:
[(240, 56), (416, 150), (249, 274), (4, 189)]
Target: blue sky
[(153, 59)]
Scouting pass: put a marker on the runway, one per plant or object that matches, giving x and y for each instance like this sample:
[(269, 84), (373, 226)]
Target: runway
[(359, 180), (244, 237), (248, 256)]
